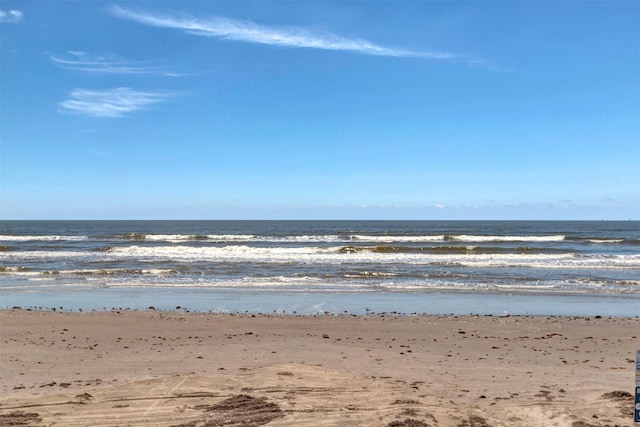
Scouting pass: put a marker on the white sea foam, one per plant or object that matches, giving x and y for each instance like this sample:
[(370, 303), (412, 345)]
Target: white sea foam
[(11, 269), (390, 238), (471, 238), (569, 286), (192, 237), (454, 237), (304, 239), (169, 237), (107, 272), (9, 238), (369, 274), (334, 254), (16, 271), (46, 255), (323, 255), (318, 284), (307, 238), (176, 238)]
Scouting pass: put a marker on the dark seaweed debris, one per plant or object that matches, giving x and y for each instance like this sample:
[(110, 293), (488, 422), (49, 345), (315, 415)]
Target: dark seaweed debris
[(19, 418)]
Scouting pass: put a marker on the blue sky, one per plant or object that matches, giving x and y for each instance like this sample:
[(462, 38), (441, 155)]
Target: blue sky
[(320, 110)]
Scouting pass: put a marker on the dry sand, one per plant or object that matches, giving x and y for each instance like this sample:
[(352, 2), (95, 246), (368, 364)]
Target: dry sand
[(188, 369)]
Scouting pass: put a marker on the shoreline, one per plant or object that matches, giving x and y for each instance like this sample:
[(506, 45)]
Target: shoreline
[(310, 302), (294, 315), (173, 368)]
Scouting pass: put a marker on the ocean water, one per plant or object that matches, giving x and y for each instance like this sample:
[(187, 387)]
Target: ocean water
[(484, 267)]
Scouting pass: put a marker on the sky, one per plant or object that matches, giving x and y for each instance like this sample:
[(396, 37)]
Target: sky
[(505, 110)]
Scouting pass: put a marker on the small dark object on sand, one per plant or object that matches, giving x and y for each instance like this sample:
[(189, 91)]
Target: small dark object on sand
[(409, 422)]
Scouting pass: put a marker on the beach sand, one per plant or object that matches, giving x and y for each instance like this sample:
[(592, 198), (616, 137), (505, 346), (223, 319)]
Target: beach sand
[(193, 369)]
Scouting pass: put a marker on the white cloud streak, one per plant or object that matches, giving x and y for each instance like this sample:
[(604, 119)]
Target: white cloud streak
[(116, 102), (107, 64), (288, 36), (10, 16)]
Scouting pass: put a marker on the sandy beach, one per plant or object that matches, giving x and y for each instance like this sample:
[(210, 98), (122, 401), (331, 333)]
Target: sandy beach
[(191, 369)]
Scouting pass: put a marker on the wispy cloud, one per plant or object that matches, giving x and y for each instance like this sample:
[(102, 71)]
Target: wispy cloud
[(10, 16), (105, 64), (289, 36), (116, 102)]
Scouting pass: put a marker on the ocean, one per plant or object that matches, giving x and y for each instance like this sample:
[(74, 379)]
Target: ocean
[(320, 267)]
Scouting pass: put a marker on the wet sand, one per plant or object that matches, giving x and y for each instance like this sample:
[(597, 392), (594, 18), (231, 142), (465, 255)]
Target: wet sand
[(191, 369)]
